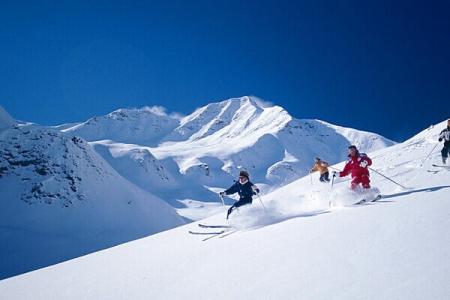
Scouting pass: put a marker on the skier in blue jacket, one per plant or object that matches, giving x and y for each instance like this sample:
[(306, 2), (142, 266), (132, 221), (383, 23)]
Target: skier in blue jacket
[(245, 188)]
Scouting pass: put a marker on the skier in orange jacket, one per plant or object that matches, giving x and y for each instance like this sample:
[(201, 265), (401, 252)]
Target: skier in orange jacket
[(322, 167)]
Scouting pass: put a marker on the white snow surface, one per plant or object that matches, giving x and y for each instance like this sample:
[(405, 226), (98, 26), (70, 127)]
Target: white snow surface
[(299, 247)]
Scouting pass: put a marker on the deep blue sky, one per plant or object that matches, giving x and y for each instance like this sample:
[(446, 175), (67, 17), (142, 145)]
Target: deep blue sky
[(382, 66)]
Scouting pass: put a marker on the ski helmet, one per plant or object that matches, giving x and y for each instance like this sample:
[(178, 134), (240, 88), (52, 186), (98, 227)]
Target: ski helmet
[(244, 174)]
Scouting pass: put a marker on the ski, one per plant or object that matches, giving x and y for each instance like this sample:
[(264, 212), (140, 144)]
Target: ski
[(213, 226), (227, 233), (222, 235), (207, 233), (440, 166), (360, 202), (210, 237), (378, 197), (434, 171)]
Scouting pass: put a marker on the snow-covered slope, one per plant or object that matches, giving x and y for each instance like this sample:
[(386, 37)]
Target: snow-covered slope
[(60, 200), (5, 119), (145, 126), (301, 248), (204, 151)]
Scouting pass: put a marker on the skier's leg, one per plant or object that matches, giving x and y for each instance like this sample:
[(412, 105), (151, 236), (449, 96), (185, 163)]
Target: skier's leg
[(326, 176), (444, 153), (321, 178), (448, 151), (365, 181), (238, 204), (355, 182), (230, 210), (243, 202)]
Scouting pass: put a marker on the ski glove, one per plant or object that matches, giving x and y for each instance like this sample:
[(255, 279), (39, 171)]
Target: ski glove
[(363, 164), (222, 194), (440, 139), (255, 189), (335, 174)]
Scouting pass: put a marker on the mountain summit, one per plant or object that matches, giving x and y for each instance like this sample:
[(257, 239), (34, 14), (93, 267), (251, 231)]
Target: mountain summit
[(5, 118)]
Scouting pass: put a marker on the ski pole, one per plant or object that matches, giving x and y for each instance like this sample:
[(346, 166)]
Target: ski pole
[(332, 180), (260, 200), (332, 183), (428, 155), (388, 178), (221, 197), (310, 177)]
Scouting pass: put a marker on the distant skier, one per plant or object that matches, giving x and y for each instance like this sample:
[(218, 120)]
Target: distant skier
[(245, 188), (357, 165), (322, 167), (445, 135)]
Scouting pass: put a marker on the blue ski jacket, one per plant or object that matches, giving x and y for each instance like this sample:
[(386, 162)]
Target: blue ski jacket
[(245, 190)]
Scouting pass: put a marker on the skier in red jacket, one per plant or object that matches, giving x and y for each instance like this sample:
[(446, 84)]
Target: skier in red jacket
[(357, 165)]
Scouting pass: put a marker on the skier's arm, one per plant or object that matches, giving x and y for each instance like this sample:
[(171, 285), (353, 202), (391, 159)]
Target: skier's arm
[(441, 135), (369, 161), (313, 169), (346, 170), (232, 190), (255, 189), (365, 161)]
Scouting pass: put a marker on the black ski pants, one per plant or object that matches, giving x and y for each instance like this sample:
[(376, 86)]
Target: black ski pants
[(324, 177), (242, 201), (445, 151)]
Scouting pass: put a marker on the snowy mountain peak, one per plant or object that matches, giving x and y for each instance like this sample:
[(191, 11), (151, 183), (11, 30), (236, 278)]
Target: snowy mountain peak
[(236, 114), (5, 119), (249, 100), (244, 100), (144, 126), (146, 112)]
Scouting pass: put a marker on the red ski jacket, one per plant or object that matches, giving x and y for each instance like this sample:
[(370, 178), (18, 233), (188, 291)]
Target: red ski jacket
[(357, 165)]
